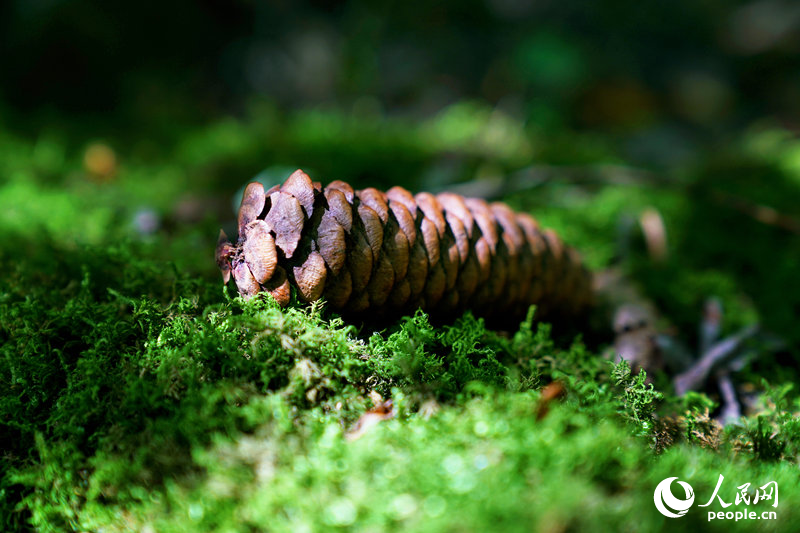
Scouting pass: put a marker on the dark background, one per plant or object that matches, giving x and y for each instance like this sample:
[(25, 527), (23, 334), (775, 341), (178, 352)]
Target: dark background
[(704, 65)]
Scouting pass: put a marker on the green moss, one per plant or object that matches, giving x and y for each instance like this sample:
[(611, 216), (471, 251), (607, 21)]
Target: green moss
[(136, 393), (638, 398), (437, 362)]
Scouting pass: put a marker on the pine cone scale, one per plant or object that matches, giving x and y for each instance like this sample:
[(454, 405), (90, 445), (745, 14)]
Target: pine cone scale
[(382, 254)]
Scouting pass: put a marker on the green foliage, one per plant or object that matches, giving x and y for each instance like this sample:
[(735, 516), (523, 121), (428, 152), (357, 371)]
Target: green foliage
[(124, 386), (774, 434), (471, 467), (136, 394), (637, 397), (438, 362)]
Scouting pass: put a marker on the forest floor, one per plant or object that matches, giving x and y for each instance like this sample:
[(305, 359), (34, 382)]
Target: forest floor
[(137, 393)]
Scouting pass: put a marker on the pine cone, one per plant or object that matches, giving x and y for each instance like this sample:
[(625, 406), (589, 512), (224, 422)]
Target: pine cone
[(380, 255)]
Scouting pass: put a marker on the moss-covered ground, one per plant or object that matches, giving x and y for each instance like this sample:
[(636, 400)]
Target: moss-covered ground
[(136, 393)]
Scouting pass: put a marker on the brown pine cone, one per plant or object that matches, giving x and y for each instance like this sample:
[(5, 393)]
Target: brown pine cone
[(380, 255)]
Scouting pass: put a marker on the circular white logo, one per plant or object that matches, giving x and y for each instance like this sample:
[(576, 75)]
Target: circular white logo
[(665, 501)]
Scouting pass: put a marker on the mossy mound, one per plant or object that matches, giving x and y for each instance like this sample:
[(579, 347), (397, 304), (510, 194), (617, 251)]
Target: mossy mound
[(138, 394)]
